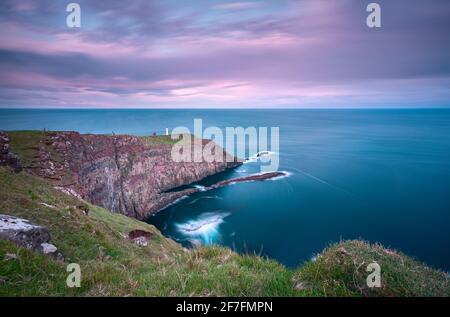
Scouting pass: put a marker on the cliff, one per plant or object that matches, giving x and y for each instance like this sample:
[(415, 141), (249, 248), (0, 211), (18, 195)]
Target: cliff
[(121, 256), (125, 174)]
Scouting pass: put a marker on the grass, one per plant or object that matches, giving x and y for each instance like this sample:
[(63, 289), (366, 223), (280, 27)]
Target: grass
[(110, 263), (340, 270), (26, 143), (113, 266), (158, 139), (167, 139)]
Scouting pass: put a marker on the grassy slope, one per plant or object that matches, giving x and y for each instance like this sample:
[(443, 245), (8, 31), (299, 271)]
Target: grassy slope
[(112, 265), (25, 143), (158, 139)]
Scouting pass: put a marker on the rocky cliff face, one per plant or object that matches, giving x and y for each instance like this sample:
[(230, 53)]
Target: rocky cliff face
[(122, 173)]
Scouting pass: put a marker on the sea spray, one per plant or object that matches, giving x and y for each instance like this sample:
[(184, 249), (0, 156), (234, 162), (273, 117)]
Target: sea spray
[(205, 228)]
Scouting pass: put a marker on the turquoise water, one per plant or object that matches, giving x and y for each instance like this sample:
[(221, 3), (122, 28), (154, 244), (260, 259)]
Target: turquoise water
[(380, 175)]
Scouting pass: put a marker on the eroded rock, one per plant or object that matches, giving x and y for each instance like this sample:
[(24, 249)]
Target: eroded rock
[(6, 157), (140, 237), (23, 232), (250, 178), (121, 173), (26, 234), (48, 248)]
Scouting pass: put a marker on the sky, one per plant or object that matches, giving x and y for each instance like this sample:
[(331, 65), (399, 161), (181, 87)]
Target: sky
[(224, 54)]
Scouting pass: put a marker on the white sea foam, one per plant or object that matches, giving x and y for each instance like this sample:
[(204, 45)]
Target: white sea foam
[(205, 228), (285, 175), (261, 154), (203, 197), (176, 201), (200, 187)]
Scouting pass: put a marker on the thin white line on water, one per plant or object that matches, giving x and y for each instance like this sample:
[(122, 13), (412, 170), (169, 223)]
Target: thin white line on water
[(322, 181)]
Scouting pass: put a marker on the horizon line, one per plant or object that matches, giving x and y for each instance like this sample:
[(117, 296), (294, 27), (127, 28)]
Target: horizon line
[(230, 108)]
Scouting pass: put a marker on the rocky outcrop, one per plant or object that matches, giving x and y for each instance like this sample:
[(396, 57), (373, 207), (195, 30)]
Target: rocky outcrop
[(140, 237), (250, 178), (6, 157), (122, 173), (26, 234)]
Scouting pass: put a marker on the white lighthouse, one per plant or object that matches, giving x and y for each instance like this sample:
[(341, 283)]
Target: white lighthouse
[(167, 131)]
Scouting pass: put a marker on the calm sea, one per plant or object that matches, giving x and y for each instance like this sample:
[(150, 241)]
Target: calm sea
[(379, 175)]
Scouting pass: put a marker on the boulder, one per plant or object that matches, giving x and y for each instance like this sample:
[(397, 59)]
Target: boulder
[(26, 234), (23, 232)]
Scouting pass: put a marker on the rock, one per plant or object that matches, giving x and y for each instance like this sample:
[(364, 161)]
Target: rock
[(26, 234), (250, 178), (23, 232), (6, 157), (140, 237), (84, 209), (121, 173), (59, 256), (141, 241), (139, 233), (48, 248)]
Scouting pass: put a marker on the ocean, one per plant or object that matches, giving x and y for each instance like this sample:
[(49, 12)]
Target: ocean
[(379, 175)]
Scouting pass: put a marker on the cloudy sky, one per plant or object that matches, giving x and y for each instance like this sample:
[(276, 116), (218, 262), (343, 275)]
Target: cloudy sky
[(214, 53)]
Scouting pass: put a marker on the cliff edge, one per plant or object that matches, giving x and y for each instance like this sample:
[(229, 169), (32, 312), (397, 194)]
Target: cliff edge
[(125, 174)]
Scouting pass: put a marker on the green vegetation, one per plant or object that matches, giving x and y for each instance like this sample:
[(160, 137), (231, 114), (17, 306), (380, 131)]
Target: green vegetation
[(158, 139), (26, 144), (340, 270), (167, 139), (113, 265)]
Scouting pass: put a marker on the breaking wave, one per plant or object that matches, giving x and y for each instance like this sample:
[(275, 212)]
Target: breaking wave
[(257, 157), (204, 229), (200, 188)]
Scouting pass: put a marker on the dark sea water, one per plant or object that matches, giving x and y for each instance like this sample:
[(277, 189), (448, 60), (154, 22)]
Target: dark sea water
[(380, 175)]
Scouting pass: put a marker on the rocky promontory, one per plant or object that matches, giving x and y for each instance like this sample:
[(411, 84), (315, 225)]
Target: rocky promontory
[(249, 178), (126, 174)]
